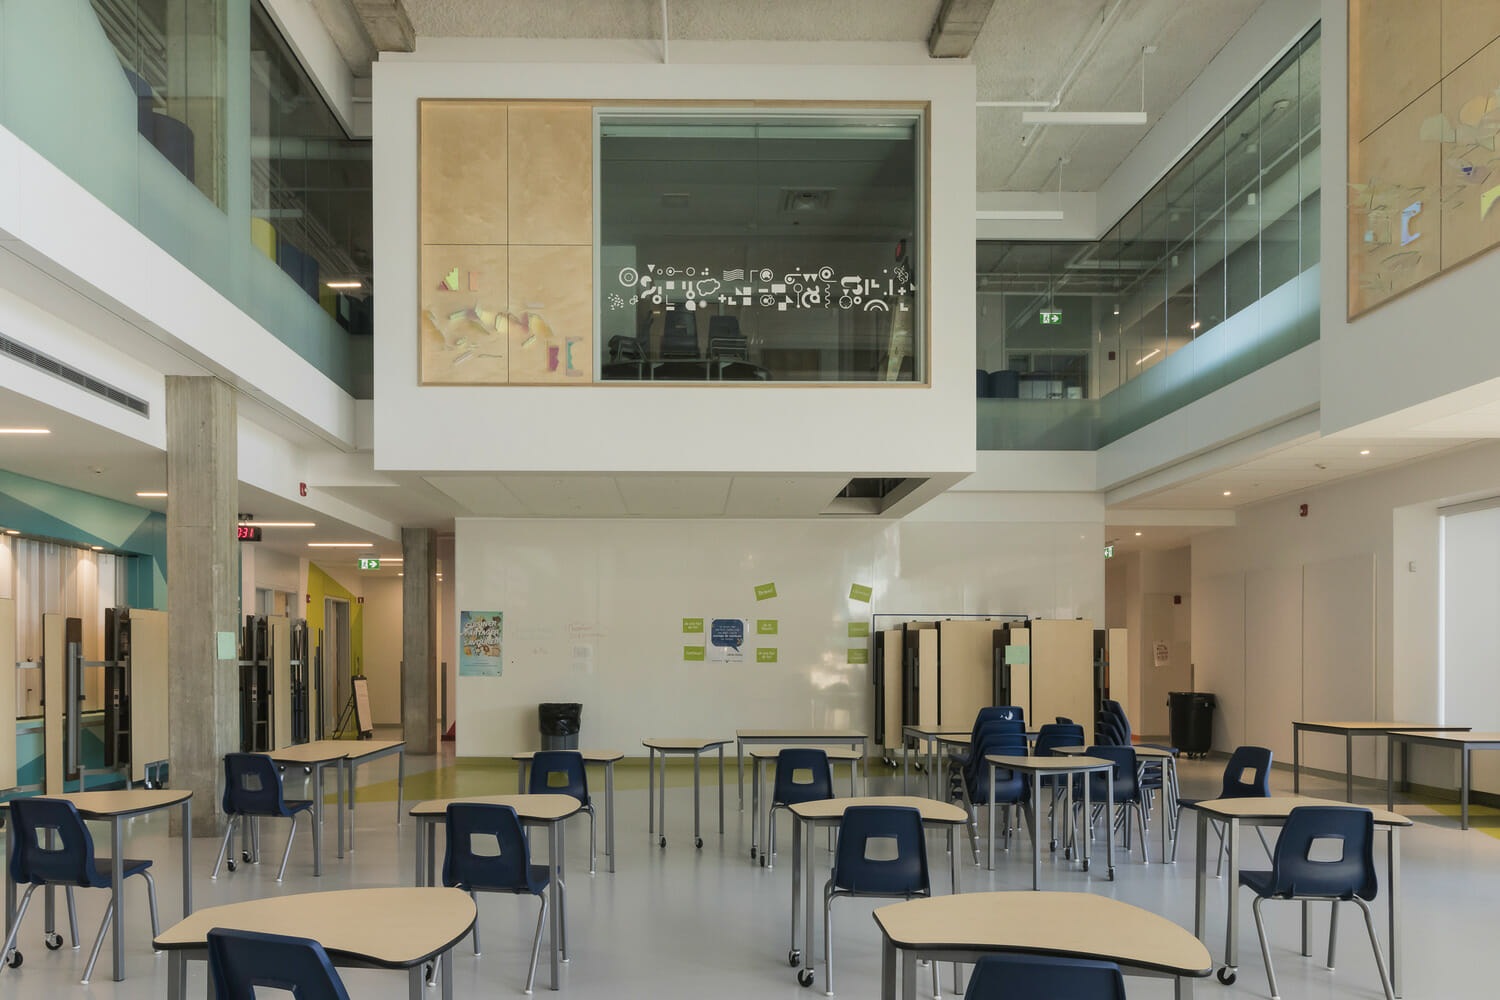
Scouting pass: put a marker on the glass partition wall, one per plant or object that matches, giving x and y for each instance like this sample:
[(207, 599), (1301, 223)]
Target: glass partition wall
[(1211, 275), (755, 246)]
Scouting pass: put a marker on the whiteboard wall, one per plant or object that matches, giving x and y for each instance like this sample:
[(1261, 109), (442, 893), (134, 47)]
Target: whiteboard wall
[(594, 608)]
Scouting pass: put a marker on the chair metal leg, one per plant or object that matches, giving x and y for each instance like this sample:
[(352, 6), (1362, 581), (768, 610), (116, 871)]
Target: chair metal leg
[(151, 901), (593, 822), (72, 918), (1265, 947), (288, 852), (475, 897), (1333, 931), (536, 942), (1219, 830), (1140, 815), (1176, 826), (15, 928), (937, 982), (828, 939), (109, 915), (224, 847), (1261, 832), (1385, 978)]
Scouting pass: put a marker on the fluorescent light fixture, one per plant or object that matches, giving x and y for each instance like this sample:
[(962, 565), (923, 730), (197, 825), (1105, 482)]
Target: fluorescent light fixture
[(1138, 534), (1196, 324), (344, 284), (1226, 493), (97, 548), (339, 545), (1083, 117), (24, 430), (277, 524), (386, 559), (1020, 215), (11, 531), (1154, 352), (151, 493)]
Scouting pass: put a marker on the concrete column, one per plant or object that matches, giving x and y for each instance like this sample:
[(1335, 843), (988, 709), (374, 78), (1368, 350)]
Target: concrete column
[(203, 586), (419, 639)]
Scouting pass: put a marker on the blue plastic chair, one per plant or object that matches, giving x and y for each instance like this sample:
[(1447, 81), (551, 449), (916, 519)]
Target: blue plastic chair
[(504, 865), (240, 962), (1049, 737), (50, 845), (972, 782), (802, 775), (882, 851), (1128, 793), (1297, 874), (252, 789), (1246, 776), (561, 772), (1011, 977)]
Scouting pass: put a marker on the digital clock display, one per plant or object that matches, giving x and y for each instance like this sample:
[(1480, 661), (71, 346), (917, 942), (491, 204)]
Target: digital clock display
[(249, 533)]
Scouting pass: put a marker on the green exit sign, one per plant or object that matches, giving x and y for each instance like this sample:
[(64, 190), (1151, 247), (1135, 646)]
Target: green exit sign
[(366, 563), (1109, 551), (1051, 317)]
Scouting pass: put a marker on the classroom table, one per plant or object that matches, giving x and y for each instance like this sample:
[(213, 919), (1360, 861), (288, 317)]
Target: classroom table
[(965, 928), (604, 757), (114, 808), (533, 810), (927, 736), (1273, 812), (358, 928), (1349, 730), (1464, 742), (829, 813), (315, 756), (1145, 754), (1065, 767), (798, 737), (359, 752), (666, 746), (758, 757)]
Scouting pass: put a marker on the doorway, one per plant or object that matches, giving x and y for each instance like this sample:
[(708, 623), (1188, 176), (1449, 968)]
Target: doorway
[(336, 660)]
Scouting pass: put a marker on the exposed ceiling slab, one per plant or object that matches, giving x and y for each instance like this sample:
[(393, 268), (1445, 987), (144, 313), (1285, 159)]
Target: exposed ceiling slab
[(387, 24), (957, 28)]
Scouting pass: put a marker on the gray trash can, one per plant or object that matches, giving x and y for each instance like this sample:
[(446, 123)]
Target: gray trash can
[(559, 722)]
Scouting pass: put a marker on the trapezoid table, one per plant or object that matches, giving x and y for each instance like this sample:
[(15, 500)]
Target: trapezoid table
[(664, 747), (315, 757), (758, 756), (1349, 730), (608, 758), (925, 736), (1464, 742), (799, 737), (1145, 754), (363, 752), (1059, 766), (965, 928), (358, 928)]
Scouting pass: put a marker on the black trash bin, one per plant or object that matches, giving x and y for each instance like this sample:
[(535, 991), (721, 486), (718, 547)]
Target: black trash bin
[(1192, 717), (559, 722)]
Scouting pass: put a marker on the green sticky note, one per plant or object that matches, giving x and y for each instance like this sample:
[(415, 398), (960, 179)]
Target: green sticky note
[(692, 652), (765, 626), (859, 630), (859, 656), (859, 592), (692, 624), (765, 591), (1018, 655), (765, 656), (228, 648)]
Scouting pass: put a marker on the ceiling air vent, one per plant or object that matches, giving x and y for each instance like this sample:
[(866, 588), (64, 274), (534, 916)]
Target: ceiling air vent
[(68, 373), (805, 201), (870, 496)]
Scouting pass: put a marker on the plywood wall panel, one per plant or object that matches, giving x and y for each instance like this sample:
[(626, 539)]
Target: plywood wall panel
[(1395, 57), (551, 306), (464, 169), (968, 653), (8, 658), (551, 148), (1470, 173), (927, 677), (1468, 26), (148, 690), (1062, 673), (464, 329)]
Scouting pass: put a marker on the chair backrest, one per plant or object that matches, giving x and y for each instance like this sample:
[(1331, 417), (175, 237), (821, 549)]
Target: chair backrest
[(240, 962), (49, 843), (1118, 711), (1052, 735), (977, 773), (802, 775), (559, 772), (1000, 977), (252, 785), (1124, 772), (1107, 731), (1325, 851), (1239, 785), (1063, 720), (679, 336), (994, 714), (486, 847), (881, 851)]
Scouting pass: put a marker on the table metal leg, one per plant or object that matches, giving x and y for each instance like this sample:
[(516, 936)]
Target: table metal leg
[(757, 844), (177, 975), (1109, 825), (990, 825), (864, 758), (1036, 838), (187, 858), (887, 969), (400, 783), (1463, 788), (420, 840), (1232, 882), (1088, 822), (697, 796), (1390, 773), (794, 955), (1393, 902), (908, 976), (1200, 879), (1349, 767), (739, 752), (338, 804), (447, 961), (520, 777), (721, 789), (317, 819), (953, 874), (905, 765), (414, 983), (609, 807), (810, 892), (651, 794), (555, 889), (661, 804), (1296, 759), (352, 773), (432, 852), (117, 895)]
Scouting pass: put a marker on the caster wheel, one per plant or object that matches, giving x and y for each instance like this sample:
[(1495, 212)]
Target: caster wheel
[(307, 770), (700, 842), (15, 959), (794, 957), (244, 855), (1111, 874), (149, 786), (230, 864), (429, 973), (1085, 866), (805, 978), (663, 842), (53, 941), (752, 854), (1227, 976)]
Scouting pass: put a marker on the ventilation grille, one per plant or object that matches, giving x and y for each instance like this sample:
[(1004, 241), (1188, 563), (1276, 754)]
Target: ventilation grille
[(68, 373)]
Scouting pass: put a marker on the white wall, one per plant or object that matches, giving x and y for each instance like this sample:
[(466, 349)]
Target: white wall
[(382, 624), (880, 430), (593, 613), (1471, 630)]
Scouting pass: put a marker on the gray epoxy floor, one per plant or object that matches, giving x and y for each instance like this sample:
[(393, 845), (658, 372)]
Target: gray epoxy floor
[(681, 922)]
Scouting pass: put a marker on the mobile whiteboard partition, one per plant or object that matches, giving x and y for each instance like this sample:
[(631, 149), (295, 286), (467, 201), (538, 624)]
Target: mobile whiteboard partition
[(8, 659), (148, 690)]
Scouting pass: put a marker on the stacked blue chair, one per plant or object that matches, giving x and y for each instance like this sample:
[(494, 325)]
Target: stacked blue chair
[(252, 789), (508, 869), (1246, 776), (1013, 977), (972, 781), (242, 962), (50, 846), (1296, 874), (802, 775), (1049, 737), (895, 867), (561, 772), (1127, 790), (1010, 717)]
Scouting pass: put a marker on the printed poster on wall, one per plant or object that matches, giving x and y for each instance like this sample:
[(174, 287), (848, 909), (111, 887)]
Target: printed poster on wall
[(480, 635), (1160, 654), (727, 639)]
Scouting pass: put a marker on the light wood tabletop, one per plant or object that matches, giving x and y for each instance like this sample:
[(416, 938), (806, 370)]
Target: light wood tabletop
[(1277, 806), (317, 752), (1031, 765), (1457, 738), (124, 802), (927, 732), (932, 810), (1140, 751), (1073, 924), (1378, 727), (537, 807), (391, 928), (682, 743), (766, 752), (799, 734), (589, 756), (367, 748)]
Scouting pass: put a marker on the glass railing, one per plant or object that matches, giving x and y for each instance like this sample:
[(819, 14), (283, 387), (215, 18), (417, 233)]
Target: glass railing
[(1212, 275), (191, 121)]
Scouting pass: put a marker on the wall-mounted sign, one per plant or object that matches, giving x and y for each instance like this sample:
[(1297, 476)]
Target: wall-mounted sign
[(1109, 551), (1051, 317), (249, 533), (366, 562)]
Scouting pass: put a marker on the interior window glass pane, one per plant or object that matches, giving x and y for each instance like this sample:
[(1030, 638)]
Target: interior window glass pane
[(760, 247), (1309, 113), (1280, 181), (1242, 183)]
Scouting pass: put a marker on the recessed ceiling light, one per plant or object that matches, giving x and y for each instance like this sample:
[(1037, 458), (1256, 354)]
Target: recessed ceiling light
[(277, 524), (339, 545), (11, 531), (151, 493), (97, 548), (1196, 324), (1365, 451), (24, 430), (344, 284), (1138, 534), (1226, 493)]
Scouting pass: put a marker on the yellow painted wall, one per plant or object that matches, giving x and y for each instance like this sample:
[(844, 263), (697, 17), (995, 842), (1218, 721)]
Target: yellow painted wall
[(319, 586)]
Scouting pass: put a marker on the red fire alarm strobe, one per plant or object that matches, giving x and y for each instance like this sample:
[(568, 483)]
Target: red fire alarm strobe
[(1302, 511), (302, 489)]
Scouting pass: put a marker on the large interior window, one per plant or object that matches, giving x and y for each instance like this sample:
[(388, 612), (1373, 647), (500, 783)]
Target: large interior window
[(746, 246)]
